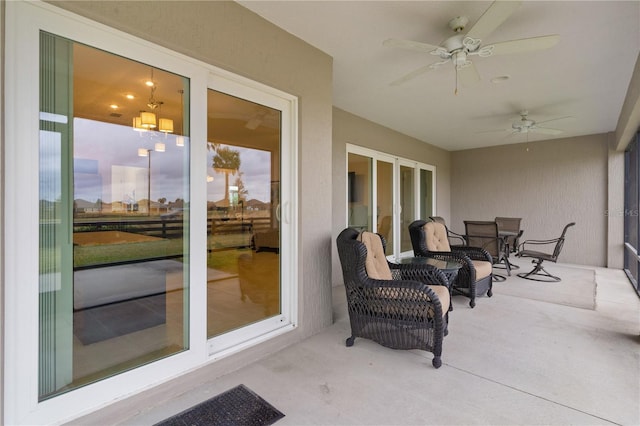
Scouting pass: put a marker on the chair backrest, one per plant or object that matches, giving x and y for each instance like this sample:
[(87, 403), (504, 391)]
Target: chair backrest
[(435, 237), (376, 262), (560, 243), (438, 219), (511, 224), (483, 234)]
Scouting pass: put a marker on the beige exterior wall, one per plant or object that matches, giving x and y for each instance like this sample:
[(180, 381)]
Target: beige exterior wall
[(231, 37), (349, 128), (548, 184)]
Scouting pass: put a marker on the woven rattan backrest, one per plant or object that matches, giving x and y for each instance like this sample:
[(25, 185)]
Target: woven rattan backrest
[(483, 234), (435, 235)]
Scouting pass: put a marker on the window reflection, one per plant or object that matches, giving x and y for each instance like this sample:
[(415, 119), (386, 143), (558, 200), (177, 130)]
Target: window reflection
[(113, 268), (243, 202)]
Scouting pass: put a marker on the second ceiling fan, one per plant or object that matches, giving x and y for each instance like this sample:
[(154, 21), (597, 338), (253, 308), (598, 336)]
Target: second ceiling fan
[(461, 46)]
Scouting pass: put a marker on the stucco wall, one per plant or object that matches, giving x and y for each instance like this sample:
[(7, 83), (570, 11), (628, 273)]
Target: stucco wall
[(548, 184), (349, 128)]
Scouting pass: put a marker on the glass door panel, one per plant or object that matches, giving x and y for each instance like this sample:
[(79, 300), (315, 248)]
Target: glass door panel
[(407, 205), (243, 213), (426, 194), (384, 194), (359, 192), (113, 214)]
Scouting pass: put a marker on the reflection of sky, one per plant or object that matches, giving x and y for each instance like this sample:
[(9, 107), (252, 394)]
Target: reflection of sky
[(255, 166), (99, 146)]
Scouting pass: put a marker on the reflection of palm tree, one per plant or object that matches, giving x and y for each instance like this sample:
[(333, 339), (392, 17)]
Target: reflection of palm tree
[(226, 161)]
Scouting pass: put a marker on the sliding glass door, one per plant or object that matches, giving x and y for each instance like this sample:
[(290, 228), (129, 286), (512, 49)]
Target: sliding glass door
[(243, 212), (114, 198), (137, 255), (385, 194)]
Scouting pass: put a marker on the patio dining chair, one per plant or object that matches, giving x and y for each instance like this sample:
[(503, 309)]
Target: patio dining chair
[(397, 306), (429, 239), (511, 224), (484, 234), (529, 249)]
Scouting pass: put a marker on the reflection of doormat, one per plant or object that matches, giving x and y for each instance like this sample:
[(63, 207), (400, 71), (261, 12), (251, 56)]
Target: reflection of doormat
[(117, 319), (237, 406)]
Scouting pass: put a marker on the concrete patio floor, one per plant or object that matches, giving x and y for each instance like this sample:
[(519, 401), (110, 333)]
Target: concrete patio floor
[(511, 360)]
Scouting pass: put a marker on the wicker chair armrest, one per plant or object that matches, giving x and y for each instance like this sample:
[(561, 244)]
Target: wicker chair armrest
[(426, 274), (475, 253), (403, 296), (456, 236)]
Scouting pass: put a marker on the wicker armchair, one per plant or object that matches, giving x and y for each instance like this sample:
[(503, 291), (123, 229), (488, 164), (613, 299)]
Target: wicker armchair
[(397, 306), (429, 239), (526, 250)]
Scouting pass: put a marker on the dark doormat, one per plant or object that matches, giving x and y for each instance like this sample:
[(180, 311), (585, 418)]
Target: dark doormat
[(237, 406)]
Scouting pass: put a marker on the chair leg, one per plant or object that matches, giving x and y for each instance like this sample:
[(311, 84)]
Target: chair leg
[(498, 278), (437, 362), (539, 271)]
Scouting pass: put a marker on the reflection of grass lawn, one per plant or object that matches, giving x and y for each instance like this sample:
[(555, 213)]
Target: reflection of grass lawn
[(223, 256), (105, 254)]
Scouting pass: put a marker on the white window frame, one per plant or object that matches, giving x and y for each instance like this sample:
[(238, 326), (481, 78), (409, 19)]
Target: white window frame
[(24, 21)]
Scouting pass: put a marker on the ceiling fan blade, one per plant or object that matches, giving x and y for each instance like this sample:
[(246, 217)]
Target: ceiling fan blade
[(524, 45), (545, 131), (409, 45), (468, 75), (554, 119), (495, 131), (412, 75), (495, 15)]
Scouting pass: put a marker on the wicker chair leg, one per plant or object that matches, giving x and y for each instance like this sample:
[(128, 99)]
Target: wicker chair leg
[(437, 362), (349, 341)]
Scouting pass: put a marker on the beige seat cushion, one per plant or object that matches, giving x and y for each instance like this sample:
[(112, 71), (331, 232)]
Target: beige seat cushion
[(376, 263), (443, 294), (483, 268), (436, 237)]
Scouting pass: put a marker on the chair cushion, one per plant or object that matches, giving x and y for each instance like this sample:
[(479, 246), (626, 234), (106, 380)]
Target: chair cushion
[(376, 263), (483, 268), (436, 237), (443, 294)]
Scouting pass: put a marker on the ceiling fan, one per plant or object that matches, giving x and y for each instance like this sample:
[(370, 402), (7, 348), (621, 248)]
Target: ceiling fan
[(461, 46), (527, 125)]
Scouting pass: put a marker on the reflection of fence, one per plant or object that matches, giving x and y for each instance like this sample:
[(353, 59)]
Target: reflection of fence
[(155, 228), (173, 228)]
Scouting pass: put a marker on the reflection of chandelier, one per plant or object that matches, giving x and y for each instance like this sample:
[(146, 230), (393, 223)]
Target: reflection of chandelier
[(147, 119)]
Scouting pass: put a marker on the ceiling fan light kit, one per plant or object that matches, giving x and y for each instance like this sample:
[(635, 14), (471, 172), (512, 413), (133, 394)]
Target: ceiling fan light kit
[(460, 46)]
